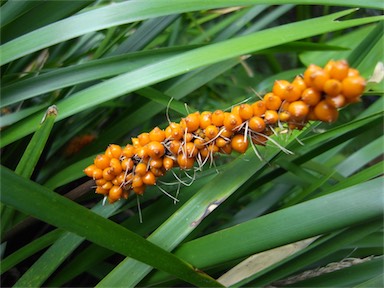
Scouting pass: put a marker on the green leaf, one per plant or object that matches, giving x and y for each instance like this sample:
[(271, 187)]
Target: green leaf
[(63, 213), (328, 213), (187, 61)]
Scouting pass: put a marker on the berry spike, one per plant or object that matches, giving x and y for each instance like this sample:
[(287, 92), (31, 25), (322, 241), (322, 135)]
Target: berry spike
[(316, 96)]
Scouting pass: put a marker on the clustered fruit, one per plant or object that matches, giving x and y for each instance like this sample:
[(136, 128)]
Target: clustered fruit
[(317, 95)]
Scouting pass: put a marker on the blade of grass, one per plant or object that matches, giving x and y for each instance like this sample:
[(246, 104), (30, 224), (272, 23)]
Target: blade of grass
[(328, 213), (72, 217), (315, 252), (185, 62)]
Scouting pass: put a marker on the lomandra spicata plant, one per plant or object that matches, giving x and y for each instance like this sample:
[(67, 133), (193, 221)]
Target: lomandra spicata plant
[(229, 143)]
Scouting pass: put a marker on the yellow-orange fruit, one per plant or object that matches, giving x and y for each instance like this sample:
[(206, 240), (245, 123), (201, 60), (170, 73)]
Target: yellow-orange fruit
[(157, 134), (149, 178), (245, 111), (114, 151), (191, 122), (144, 139), (238, 144), (184, 161), (211, 131), (271, 117), (259, 108), (311, 96), (337, 69), (353, 86), (115, 165), (129, 151), (174, 131), (155, 149), (141, 169), (325, 112), (205, 119), (332, 87), (272, 102), (218, 118), (114, 194), (298, 109), (232, 121), (336, 101), (257, 124), (102, 161), (299, 83), (168, 163)]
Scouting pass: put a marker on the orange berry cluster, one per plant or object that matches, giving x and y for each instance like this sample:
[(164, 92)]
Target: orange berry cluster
[(316, 96)]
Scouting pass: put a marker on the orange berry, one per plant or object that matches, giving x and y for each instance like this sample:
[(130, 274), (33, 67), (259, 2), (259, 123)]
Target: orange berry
[(107, 186), (119, 179), (149, 178), (115, 165), (338, 70), (174, 131), (353, 86), (205, 119), (139, 190), (226, 149), (155, 149), (298, 109), (299, 83), (309, 74), (218, 118), (245, 111), (89, 170), (114, 151), (311, 96), (168, 163), (127, 164), (174, 147), (272, 102), (192, 122), (102, 161), (226, 133), (158, 172), (144, 139), (185, 162), (353, 72), (102, 191), (129, 151), (142, 152), (238, 144), (114, 194), (211, 131), (157, 134), (157, 163), (220, 142), (318, 79), (284, 116), (279, 87), (141, 169), (100, 182), (325, 112), (257, 124), (231, 121), (199, 143), (137, 181), (259, 108), (332, 87), (271, 117), (189, 149), (108, 174), (236, 110), (336, 101)]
